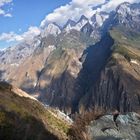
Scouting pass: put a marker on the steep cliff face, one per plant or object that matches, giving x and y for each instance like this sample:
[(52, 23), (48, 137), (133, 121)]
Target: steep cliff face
[(25, 75), (57, 78), (118, 84), (94, 59)]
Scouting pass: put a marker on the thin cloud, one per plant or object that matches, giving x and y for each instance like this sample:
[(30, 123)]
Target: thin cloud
[(76, 8), (2, 10), (11, 37), (112, 4), (73, 10), (8, 15)]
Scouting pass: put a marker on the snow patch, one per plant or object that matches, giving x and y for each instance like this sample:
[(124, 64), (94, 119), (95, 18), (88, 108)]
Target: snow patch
[(15, 64), (64, 116), (51, 47), (51, 29), (134, 61), (81, 24)]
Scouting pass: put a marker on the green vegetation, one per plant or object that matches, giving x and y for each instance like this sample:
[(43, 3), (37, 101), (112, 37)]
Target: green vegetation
[(2, 118), (56, 54), (71, 41), (23, 118), (126, 43), (78, 131), (56, 123), (123, 36), (127, 53)]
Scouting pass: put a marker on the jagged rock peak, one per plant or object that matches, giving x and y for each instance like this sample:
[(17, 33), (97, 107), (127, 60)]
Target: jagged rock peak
[(123, 9), (124, 5), (98, 18), (83, 17), (87, 29), (81, 23), (70, 22), (129, 15), (69, 25), (52, 29)]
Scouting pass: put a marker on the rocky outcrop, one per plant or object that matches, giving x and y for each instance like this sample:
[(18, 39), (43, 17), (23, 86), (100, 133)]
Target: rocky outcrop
[(128, 15), (122, 128), (51, 29)]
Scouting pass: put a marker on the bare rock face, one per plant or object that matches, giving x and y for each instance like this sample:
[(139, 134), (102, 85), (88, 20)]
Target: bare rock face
[(56, 81), (52, 29), (122, 128), (69, 25), (15, 55), (128, 15), (117, 87)]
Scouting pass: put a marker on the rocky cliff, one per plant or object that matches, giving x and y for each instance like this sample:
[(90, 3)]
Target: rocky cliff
[(123, 127)]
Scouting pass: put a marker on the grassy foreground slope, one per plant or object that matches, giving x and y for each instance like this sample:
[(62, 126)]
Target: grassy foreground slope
[(24, 118)]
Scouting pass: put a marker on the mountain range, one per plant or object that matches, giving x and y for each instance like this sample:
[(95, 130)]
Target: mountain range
[(86, 64), (81, 64)]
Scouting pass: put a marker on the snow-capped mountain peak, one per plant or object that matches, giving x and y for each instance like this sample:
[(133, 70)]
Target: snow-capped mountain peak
[(69, 25), (123, 6), (83, 17), (129, 15), (123, 9), (70, 22), (52, 29), (98, 18), (81, 23)]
